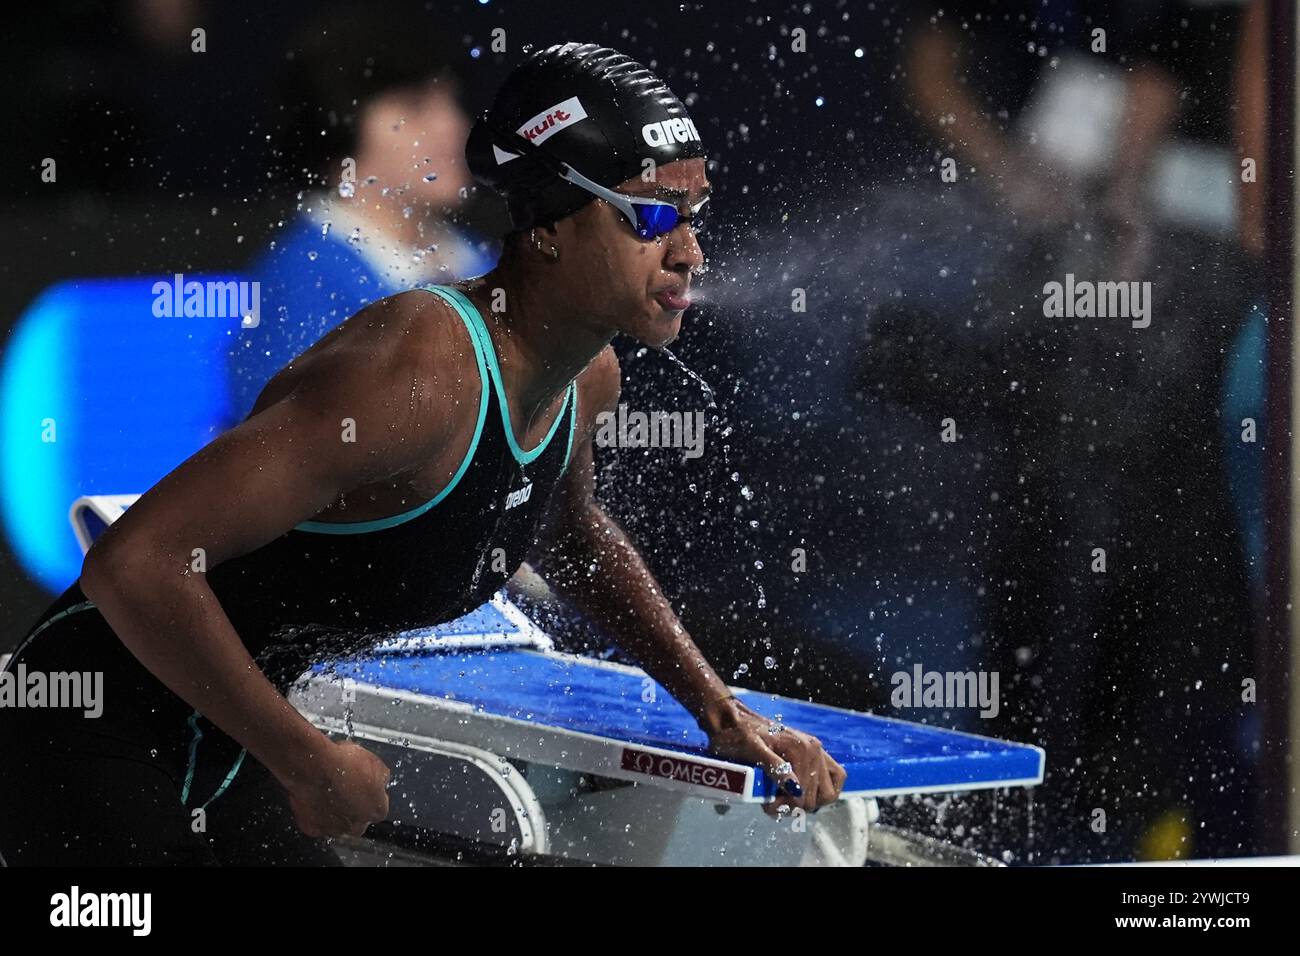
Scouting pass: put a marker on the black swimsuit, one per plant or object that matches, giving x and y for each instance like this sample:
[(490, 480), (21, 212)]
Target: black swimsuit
[(319, 591)]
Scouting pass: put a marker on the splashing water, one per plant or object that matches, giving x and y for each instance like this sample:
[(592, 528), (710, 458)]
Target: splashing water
[(746, 492), (705, 386)]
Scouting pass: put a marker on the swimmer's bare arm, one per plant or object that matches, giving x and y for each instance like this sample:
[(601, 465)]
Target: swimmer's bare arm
[(597, 567), (249, 486)]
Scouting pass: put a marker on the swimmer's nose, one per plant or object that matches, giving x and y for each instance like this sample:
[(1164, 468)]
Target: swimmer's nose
[(682, 252)]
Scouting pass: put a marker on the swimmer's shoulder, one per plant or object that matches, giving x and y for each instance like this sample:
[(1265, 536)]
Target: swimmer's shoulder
[(427, 336), (406, 358), (430, 361)]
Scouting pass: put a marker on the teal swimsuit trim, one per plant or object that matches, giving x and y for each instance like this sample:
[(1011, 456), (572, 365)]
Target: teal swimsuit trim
[(482, 342), (380, 524), (465, 307), (573, 424), (193, 763)]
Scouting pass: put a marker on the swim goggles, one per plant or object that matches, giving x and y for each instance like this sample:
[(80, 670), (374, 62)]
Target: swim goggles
[(649, 218)]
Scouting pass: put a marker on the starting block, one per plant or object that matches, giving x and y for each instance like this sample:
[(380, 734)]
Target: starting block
[(497, 739), (501, 746), (91, 514)]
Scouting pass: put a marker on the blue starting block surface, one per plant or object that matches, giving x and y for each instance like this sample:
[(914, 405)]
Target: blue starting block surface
[(610, 719)]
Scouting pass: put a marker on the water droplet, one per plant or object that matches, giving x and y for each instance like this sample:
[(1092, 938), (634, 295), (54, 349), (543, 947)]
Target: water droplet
[(708, 389)]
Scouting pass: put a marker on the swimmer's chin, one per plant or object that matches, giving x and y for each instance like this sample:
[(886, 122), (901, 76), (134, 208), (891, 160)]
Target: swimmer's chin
[(655, 327), (660, 331)]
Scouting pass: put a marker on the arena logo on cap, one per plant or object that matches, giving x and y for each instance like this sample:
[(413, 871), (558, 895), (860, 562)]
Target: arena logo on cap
[(669, 131)]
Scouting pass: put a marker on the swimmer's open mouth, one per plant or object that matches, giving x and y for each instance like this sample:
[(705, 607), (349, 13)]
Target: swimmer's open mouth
[(674, 299)]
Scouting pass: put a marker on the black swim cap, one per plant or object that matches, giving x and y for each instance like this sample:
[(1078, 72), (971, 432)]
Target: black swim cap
[(586, 105)]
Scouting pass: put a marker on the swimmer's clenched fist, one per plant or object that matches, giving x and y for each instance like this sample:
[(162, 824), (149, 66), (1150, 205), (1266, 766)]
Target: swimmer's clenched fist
[(345, 793)]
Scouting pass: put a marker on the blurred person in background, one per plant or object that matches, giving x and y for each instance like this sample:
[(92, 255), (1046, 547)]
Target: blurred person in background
[(375, 102), (1107, 436)]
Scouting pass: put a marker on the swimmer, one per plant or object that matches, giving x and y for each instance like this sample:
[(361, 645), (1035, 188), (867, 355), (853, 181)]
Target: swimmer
[(373, 487)]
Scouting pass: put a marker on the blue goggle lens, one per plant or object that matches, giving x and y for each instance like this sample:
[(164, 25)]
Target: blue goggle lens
[(659, 220), (655, 221)]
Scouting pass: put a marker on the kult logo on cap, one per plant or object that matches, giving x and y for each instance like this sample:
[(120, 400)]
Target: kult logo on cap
[(545, 125), (550, 121), (669, 131)]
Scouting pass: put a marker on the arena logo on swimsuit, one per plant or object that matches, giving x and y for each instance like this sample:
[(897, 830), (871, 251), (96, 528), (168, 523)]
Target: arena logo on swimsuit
[(519, 496)]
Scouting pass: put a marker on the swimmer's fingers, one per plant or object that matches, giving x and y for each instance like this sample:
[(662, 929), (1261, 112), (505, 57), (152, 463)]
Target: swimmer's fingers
[(789, 790), (826, 779), (302, 819), (805, 775), (830, 780), (838, 775), (819, 777)]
